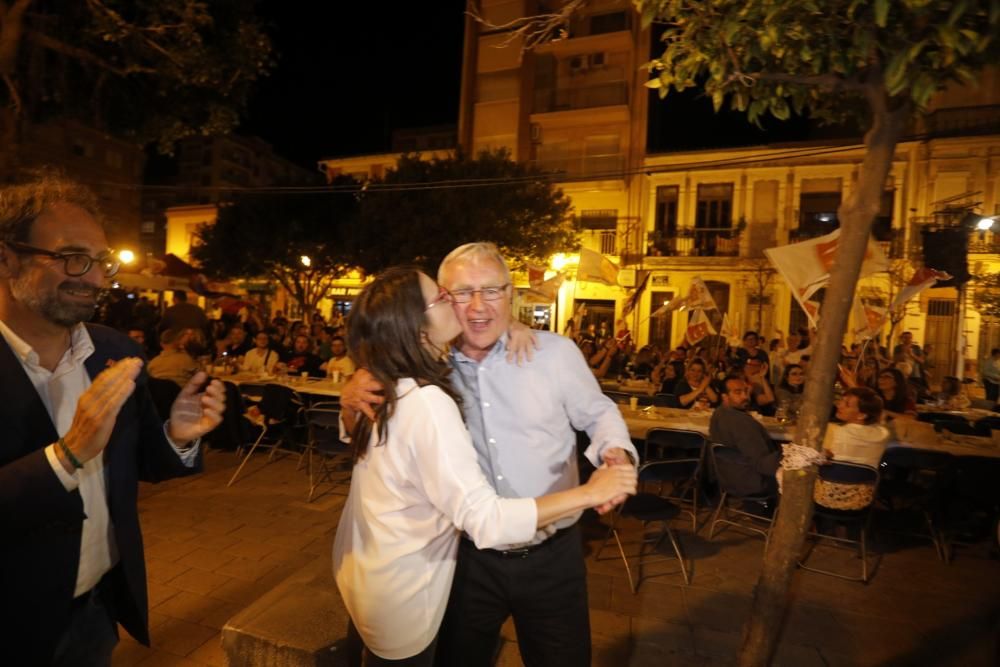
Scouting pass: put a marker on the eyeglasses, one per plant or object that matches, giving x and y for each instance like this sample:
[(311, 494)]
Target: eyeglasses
[(74, 263), (487, 293), (443, 295)]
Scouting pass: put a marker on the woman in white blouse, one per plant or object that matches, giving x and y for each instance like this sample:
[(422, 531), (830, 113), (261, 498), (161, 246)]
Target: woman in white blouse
[(417, 484)]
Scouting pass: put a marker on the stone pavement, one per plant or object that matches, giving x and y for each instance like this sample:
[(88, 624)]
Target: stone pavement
[(211, 550)]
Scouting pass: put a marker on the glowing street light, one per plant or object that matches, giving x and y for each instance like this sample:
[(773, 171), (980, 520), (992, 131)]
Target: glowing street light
[(126, 256), (306, 262)]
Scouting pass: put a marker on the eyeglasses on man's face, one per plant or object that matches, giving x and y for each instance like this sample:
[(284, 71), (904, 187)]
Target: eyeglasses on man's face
[(487, 293), (442, 295), (75, 264)]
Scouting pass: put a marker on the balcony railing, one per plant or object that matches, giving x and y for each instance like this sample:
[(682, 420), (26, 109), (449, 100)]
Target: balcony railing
[(965, 120), (699, 242), (581, 97), (606, 166)]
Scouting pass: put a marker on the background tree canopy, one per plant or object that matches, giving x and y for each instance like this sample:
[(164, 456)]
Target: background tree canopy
[(267, 235), (156, 70), (525, 215)]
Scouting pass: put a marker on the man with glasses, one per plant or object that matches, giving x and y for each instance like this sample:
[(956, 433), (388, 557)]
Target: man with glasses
[(522, 420), (80, 429)]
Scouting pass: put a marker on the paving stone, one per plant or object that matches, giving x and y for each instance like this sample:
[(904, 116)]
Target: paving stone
[(201, 582), (180, 637), (162, 571), (207, 559), (189, 606), (656, 636), (210, 653)]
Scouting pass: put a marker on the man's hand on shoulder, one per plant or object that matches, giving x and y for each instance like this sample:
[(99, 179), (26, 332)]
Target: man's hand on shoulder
[(362, 392)]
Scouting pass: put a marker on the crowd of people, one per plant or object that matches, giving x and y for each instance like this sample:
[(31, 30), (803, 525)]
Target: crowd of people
[(184, 339)]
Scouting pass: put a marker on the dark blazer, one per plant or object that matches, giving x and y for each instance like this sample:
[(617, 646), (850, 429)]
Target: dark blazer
[(41, 523)]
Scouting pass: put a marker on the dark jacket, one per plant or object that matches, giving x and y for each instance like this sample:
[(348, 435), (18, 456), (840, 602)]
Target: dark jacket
[(760, 458), (41, 523)]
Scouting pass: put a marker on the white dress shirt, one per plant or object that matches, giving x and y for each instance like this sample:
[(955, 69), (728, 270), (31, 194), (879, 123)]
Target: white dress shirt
[(396, 545), (60, 391), (522, 419), (260, 362)]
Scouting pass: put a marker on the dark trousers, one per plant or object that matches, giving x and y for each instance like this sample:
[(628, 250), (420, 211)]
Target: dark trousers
[(544, 590), (992, 390), (92, 633)]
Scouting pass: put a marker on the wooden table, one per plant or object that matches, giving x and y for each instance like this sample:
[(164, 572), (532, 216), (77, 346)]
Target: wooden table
[(311, 386), (641, 420), (637, 387), (906, 432)]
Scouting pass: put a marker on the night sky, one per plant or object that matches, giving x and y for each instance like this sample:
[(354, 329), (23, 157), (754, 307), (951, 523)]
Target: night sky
[(349, 73)]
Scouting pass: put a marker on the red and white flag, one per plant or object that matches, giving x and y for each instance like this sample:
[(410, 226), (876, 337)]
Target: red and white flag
[(728, 332), (868, 320), (921, 280), (543, 291), (698, 298), (698, 327), (596, 268), (806, 266)]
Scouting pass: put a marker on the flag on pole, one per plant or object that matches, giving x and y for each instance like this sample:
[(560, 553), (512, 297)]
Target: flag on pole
[(633, 299), (596, 268), (698, 298), (728, 331), (806, 266), (698, 327), (921, 280), (868, 319), (536, 275), (541, 290), (581, 311)]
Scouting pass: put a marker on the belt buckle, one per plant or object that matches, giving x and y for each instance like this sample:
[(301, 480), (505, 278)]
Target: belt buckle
[(517, 553)]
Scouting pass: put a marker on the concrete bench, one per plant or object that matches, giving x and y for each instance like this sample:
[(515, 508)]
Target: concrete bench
[(301, 621)]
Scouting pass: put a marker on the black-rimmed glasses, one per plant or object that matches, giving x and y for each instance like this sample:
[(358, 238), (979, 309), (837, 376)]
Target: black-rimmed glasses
[(487, 293), (75, 264)]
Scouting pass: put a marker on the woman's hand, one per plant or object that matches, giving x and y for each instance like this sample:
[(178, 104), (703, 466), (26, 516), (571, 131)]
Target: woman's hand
[(610, 482), (521, 342)]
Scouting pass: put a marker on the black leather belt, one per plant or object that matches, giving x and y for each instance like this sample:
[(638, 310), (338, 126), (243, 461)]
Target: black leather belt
[(524, 552)]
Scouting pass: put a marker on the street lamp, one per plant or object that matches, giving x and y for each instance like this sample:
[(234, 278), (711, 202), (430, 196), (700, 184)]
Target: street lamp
[(306, 262), (126, 256)]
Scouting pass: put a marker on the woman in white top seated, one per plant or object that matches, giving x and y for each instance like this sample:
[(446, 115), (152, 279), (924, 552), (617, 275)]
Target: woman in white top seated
[(417, 484), (861, 438)]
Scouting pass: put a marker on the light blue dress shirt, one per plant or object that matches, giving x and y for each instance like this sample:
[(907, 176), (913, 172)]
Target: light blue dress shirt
[(522, 418)]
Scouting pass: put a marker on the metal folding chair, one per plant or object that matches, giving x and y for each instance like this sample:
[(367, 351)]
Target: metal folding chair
[(850, 480), (684, 451), (916, 479), (725, 462), (647, 508), (323, 442), (279, 410)]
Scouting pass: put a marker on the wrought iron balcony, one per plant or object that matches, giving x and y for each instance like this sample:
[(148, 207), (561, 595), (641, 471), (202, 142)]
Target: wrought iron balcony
[(694, 242), (581, 97)]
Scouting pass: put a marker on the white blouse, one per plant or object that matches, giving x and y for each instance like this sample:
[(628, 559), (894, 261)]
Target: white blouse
[(410, 499)]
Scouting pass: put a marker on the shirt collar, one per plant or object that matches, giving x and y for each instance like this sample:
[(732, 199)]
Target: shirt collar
[(81, 345), (500, 347)]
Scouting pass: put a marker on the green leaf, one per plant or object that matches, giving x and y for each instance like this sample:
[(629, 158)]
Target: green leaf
[(881, 12)]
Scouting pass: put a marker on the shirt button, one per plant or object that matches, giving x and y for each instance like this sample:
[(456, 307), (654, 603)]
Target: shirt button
[(500, 477), (486, 404), (493, 441)]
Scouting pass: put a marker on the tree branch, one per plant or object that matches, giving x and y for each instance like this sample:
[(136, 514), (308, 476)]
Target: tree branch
[(97, 6), (52, 44), (830, 81), (534, 30), (11, 30)]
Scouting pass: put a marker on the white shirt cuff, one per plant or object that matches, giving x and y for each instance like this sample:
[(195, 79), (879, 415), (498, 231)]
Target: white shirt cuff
[(189, 455), (71, 482)]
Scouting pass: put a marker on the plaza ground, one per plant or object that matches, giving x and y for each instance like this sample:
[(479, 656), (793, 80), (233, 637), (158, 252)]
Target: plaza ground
[(211, 550)]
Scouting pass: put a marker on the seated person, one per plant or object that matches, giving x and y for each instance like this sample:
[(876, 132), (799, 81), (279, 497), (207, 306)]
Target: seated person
[(667, 375), (609, 361), (301, 359), (861, 438), (696, 387), (789, 393), (261, 359), (733, 427), (338, 361), (235, 343), (173, 362), (952, 395), (761, 394)]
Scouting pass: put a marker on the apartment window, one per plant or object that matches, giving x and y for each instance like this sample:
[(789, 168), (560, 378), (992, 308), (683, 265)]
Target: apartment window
[(594, 219), (715, 206), (818, 213), (665, 219), (148, 227), (605, 23), (609, 242), (882, 227)]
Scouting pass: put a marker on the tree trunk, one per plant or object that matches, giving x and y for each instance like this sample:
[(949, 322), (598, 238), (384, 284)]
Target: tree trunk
[(771, 596)]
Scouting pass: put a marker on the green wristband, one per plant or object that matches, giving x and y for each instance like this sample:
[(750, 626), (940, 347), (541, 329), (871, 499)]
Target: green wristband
[(69, 454)]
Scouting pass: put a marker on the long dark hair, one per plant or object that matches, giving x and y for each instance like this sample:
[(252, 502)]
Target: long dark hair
[(898, 402), (384, 333), (784, 384)]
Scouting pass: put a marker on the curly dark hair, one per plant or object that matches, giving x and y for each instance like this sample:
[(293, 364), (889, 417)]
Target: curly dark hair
[(21, 204), (384, 336)]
